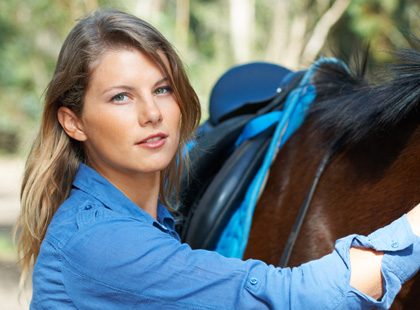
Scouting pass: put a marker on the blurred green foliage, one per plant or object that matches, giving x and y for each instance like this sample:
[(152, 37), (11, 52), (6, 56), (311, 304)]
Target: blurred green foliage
[(7, 249), (31, 33), (384, 24)]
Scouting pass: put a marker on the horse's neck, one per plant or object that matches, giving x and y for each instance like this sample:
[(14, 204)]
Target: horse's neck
[(365, 187)]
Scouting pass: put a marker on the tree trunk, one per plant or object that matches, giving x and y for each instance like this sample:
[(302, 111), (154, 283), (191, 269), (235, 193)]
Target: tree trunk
[(322, 28), (289, 44), (242, 25), (182, 24)]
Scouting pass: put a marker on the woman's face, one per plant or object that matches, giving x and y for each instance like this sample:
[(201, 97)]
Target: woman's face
[(130, 118)]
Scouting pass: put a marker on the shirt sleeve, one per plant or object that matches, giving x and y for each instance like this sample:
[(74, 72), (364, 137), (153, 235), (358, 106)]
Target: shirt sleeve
[(119, 263), (400, 261)]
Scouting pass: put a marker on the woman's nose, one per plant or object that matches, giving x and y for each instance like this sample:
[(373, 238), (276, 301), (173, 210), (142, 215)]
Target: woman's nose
[(149, 113)]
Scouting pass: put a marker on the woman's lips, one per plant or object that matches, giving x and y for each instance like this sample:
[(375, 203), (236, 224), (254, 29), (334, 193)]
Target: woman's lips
[(153, 141)]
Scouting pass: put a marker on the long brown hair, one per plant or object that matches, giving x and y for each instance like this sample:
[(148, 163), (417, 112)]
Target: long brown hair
[(55, 157)]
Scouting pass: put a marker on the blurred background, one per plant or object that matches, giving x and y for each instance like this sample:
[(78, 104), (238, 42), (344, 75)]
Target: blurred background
[(210, 35)]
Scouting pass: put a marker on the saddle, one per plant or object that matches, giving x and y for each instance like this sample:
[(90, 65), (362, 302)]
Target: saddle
[(220, 173), (254, 108)]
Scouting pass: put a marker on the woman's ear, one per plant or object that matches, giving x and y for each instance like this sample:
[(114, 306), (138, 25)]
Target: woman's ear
[(71, 124)]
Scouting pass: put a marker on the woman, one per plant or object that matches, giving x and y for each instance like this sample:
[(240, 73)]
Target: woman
[(117, 114)]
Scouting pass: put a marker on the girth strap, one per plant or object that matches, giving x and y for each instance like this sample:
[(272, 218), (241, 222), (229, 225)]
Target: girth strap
[(288, 248)]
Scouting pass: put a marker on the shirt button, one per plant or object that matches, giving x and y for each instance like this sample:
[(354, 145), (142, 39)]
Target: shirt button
[(88, 207), (253, 281), (394, 244)]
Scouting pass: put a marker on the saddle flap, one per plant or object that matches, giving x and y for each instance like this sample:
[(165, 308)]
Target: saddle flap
[(210, 151), (210, 214)]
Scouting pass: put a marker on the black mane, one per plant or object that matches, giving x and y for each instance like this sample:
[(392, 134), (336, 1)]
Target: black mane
[(351, 110)]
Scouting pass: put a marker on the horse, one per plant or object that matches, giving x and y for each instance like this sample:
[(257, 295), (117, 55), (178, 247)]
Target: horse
[(369, 136)]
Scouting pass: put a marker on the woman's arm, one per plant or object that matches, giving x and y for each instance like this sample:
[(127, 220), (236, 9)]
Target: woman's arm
[(141, 263), (366, 264), (414, 219)]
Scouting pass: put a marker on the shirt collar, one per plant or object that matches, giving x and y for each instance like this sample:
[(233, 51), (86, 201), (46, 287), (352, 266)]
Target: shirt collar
[(92, 183)]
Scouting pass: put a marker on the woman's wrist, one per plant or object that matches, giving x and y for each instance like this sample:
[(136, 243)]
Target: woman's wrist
[(413, 218), (366, 271)]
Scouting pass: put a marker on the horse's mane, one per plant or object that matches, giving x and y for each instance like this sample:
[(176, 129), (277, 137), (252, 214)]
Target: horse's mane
[(350, 109)]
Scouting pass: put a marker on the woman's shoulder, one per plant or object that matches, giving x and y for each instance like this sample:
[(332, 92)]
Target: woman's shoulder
[(82, 214), (77, 212)]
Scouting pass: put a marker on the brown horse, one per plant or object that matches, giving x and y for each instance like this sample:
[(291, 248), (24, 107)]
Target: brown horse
[(372, 176)]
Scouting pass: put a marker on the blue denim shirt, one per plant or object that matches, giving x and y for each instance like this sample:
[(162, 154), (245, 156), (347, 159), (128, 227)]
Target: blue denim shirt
[(102, 251)]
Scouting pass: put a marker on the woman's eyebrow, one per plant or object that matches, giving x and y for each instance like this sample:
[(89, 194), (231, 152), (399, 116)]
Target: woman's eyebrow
[(118, 87), (128, 87), (161, 81)]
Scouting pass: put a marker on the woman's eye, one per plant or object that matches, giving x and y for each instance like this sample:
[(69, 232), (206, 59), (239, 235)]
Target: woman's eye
[(120, 97), (163, 90)]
